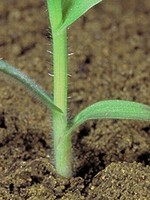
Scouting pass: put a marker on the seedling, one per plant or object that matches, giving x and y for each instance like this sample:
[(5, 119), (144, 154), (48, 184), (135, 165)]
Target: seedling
[(63, 13)]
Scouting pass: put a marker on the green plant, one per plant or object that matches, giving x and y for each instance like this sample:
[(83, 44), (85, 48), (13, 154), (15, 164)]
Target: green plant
[(63, 13)]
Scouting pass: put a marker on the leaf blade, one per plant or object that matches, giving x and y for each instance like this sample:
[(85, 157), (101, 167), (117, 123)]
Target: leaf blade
[(29, 83), (112, 109), (73, 9)]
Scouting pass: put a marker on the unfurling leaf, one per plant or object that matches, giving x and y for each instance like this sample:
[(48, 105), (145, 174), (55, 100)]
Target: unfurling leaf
[(73, 9)]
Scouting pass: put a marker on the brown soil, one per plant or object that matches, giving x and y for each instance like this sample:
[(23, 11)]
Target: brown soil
[(111, 46)]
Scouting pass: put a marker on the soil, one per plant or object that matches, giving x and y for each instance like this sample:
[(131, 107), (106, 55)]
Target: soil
[(111, 46)]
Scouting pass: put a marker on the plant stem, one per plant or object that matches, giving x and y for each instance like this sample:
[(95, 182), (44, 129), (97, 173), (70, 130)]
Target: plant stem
[(62, 147), (60, 70), (62, 142)]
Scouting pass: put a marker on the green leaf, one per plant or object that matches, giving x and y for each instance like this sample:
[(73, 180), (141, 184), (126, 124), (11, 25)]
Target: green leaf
[(29, 83), (73, 9), (113, 109)]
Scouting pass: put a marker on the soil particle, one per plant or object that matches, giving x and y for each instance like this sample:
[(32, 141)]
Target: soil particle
[(121, 181)]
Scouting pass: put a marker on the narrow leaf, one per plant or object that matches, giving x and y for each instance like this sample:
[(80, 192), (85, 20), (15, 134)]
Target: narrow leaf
[(113, 109), (73, 9), (29, 83)]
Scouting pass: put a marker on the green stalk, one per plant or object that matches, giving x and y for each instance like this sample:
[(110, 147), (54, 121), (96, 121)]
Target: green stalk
[(62, 142)]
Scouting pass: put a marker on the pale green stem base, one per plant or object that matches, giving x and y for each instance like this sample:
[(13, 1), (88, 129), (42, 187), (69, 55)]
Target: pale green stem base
[(62, 147)]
